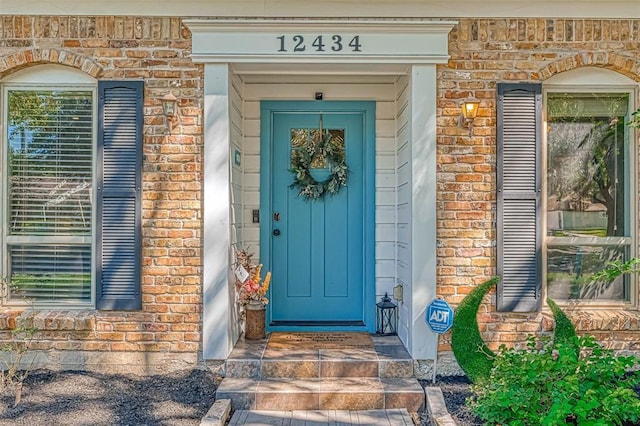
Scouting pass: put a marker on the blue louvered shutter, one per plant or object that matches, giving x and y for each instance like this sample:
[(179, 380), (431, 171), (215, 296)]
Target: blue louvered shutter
[(519, 202), (119, 233)]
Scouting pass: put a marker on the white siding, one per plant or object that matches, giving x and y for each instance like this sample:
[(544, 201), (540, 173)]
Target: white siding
[(385, 97), (237, 179), (403, 212)]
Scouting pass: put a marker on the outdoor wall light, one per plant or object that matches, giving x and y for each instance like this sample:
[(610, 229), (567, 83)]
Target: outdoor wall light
[(469, 113), (169, 103), (386, 317)]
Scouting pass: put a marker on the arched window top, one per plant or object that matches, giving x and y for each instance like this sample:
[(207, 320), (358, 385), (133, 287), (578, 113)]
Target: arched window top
[(589, 76), (49, 74)]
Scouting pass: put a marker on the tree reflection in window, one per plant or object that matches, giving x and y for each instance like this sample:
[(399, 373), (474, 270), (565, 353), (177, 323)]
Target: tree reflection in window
[(588, 193), (313, 139)]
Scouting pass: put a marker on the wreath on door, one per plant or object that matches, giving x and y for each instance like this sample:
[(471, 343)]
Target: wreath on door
[(301, 160)]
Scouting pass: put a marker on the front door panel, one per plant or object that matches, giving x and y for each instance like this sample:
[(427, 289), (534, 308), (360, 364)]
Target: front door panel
[(318, 247)]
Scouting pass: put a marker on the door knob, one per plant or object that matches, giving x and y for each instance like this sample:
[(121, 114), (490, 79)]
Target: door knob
[(276, 232)]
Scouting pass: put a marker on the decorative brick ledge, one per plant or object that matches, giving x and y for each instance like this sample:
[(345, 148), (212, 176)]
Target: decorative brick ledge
[(50, 320), (602, 320), (18, 60)]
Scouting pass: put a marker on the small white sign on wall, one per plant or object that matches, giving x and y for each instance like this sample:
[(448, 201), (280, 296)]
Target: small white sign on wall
[(241, 273)]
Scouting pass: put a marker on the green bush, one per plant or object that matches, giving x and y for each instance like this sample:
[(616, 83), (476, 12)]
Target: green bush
[(565, 332), (552, 383), (472, 354)]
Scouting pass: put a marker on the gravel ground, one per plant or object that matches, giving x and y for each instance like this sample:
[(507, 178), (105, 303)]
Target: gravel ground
[(455, 390), (76, 398), (85, 398)]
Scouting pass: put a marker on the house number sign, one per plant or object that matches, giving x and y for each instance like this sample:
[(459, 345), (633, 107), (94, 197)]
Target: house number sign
[(298, 43)]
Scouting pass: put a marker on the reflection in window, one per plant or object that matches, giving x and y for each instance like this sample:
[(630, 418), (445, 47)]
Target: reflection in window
[(588, 198), (570, 270), (50, 162), (312, 139), (49, 176)]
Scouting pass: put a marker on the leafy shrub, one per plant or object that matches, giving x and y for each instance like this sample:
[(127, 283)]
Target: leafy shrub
[(552, 383), (472, 354)]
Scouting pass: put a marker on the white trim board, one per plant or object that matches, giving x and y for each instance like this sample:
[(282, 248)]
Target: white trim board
[(602, 9), (319, 41)]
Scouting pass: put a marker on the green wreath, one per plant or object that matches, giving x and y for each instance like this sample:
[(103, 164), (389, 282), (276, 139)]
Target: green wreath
[(308, 187)]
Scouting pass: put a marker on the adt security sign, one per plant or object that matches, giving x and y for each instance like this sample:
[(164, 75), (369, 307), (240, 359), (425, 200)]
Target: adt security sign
[(439, 316)]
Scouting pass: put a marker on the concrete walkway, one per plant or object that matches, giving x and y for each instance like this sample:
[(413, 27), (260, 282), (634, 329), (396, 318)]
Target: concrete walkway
[(390, 417)]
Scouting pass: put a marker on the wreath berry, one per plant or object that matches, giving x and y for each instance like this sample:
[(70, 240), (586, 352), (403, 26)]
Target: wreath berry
[(308, 187)]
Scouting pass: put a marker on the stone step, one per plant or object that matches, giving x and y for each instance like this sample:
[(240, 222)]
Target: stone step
[(318, 368), (351, 393), (255, 360), (392, 417)]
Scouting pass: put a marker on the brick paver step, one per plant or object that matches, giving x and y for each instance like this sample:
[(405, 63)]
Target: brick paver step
[(346, 393)]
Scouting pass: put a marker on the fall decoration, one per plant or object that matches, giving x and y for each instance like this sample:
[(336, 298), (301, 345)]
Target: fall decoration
[(249, 284)]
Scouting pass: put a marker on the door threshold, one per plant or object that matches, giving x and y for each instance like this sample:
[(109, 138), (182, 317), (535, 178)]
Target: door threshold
[(316, 323)]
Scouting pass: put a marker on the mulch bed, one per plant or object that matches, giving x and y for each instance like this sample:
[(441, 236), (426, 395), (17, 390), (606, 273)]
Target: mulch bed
[(77, 398), (455, 390)]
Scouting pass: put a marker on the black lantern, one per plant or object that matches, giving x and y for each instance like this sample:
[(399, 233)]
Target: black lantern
[(386, 317)]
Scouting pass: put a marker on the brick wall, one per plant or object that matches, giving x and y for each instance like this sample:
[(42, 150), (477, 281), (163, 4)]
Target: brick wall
[(168, 329), (484, 52)]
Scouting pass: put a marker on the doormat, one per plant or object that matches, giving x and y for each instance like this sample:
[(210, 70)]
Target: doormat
[(283, 340)]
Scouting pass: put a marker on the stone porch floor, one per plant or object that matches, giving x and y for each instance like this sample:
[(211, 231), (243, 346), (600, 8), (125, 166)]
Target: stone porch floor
[(348, 378)]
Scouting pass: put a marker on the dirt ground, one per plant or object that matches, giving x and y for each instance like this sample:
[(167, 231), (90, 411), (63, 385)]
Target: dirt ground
[(76, 398), (85, 398)]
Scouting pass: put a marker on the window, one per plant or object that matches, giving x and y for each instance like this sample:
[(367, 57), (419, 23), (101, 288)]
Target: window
[(588, 198), (313, 139), (71, 160), (561, 220)]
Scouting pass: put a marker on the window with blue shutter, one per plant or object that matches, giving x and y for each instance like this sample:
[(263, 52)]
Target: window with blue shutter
[(119, 184), (519, 197)]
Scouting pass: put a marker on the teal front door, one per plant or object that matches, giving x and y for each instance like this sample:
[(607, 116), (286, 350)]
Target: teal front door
[(320, 251)]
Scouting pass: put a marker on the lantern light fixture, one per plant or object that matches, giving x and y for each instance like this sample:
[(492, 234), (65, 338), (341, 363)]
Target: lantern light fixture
[(469, 108), (169, 109), (386, 317)]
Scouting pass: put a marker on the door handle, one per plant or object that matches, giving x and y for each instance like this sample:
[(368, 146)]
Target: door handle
[(276, 232)]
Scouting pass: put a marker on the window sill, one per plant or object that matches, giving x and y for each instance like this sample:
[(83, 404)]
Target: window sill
[(586, 320), (49, 320)]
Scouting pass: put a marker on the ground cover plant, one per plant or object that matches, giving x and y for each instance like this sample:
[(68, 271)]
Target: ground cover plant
[(563, 379), (559, 382)]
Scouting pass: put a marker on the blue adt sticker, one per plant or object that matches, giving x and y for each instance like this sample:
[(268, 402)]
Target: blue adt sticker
[(439, 316)]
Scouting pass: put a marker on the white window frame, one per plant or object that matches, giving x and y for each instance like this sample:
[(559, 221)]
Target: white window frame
[(589, 80), (46, 77)]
